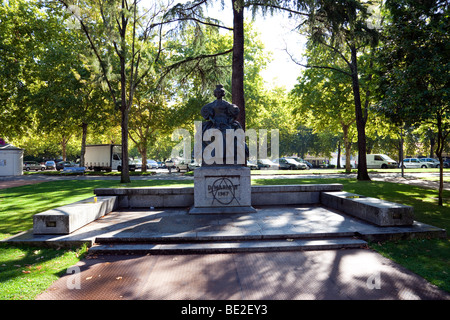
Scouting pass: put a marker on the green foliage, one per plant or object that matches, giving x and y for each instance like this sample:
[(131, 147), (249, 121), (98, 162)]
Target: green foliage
[(414, 73), (414, 79), (20, 25)]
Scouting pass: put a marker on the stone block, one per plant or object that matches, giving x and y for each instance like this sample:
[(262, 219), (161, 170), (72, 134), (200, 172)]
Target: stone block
[(290, 194), (222, 189), (66, 219), (146, 197), (377, 211)]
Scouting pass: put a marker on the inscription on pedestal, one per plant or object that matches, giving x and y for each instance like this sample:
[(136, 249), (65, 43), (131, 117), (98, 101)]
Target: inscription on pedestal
[(223, 190)]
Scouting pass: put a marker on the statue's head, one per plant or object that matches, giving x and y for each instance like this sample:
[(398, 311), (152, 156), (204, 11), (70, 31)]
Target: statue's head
[(219, 92)]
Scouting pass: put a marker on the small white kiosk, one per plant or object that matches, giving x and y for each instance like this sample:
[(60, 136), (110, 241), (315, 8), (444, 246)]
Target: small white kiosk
[(11, 160)]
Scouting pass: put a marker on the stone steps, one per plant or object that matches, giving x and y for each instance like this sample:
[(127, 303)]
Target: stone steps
[(152, 246)]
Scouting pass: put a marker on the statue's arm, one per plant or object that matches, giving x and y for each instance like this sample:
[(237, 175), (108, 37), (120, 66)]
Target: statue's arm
[(207, 112)]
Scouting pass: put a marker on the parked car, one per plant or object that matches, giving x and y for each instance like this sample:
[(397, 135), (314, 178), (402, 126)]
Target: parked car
[(138, 163), (33, 165), (290, 164), (169, 163), (194, 165), (252, 166), (161, 165), (267, 164), (430, 162), (62, 164), (309, 164), (180, 164), (152, 164), (447, 163), (300, 160), (50, 165), (415, 163)]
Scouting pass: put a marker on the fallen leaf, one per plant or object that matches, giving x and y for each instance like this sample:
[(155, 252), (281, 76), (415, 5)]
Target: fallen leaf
[(119, 278), (23, 271)]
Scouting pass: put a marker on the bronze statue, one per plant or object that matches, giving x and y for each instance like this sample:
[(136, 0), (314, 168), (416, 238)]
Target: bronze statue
[(222, 115)]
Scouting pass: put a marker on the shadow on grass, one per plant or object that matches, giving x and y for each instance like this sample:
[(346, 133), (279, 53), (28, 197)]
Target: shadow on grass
[(27, 271)]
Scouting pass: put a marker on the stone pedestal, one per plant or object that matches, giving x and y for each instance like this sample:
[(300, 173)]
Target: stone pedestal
[(222, 190)]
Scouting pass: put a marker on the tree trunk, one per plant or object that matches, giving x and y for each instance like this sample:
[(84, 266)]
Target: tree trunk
[(401, 155), (432, 143), (439, 149), (143, 152), (237, 77), (63, 148), (125, 174), (347, 146), (338, 162), (360, 121), (83, 143)]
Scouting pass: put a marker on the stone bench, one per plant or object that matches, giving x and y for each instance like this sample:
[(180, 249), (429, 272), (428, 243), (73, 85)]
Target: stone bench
[(68, 218), (377, 211)]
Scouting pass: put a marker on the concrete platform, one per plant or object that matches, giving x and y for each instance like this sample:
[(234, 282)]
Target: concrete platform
[(269, 229)]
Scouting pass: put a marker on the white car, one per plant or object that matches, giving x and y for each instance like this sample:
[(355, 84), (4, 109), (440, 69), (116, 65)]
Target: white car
[(33, 165), (290, 164), (415, 163), (430, 162)]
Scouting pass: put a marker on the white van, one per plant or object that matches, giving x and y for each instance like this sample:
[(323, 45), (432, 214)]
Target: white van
[(380, 161)]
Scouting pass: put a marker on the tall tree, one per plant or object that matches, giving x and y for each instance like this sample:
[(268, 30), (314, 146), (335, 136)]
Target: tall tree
[(324, 99), (342, 28), (67, 95), (20, 25), (414, 73), (117, 33)]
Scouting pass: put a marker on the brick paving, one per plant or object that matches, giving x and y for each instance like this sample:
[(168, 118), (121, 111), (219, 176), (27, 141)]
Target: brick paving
[(351, 274)]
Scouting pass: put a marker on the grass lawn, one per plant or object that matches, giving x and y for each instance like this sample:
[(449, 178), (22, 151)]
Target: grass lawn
[(26, 271)]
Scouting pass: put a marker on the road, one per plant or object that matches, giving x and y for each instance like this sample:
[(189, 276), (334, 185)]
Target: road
[(411, 178)]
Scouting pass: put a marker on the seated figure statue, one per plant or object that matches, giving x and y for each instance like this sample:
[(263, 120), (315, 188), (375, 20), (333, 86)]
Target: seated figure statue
[(222, 115)]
